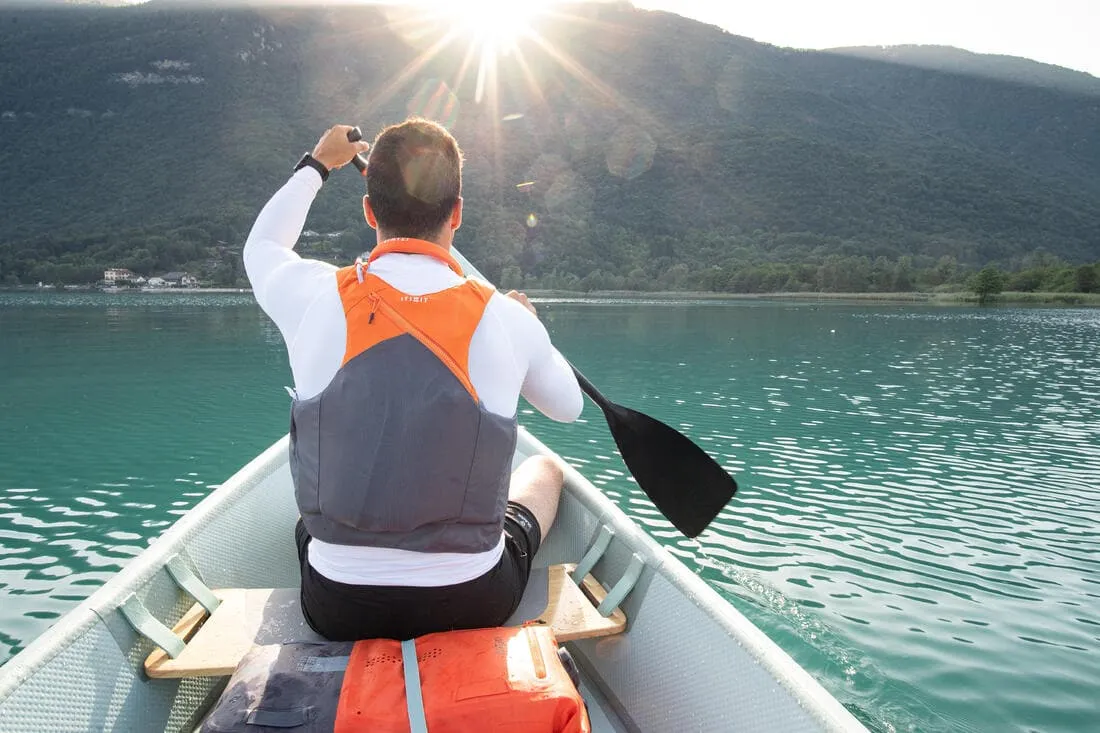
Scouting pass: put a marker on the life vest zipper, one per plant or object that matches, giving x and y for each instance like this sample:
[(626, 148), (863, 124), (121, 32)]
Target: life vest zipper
[(374, 299), (376, 303)]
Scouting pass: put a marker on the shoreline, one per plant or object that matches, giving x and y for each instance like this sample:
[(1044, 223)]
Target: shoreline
[(902, 298), (204, 291), (136, 291), (945, 299)]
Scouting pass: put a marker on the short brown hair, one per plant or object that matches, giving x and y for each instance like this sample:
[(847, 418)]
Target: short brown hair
[(414, 178)]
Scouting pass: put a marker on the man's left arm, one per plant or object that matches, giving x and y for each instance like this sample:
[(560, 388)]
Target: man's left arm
[(283, 283), (279, 276)]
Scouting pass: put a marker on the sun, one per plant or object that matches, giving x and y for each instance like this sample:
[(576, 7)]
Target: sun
[(490, 30), (494, 24)]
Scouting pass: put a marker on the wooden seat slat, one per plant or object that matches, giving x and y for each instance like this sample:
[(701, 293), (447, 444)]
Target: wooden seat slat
[(249, 616)]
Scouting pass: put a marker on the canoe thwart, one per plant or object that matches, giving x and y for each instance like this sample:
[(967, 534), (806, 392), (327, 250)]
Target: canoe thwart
[(216, 643)]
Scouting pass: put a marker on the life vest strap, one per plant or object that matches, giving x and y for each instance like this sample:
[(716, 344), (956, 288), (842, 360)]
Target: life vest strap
[(414, 696)]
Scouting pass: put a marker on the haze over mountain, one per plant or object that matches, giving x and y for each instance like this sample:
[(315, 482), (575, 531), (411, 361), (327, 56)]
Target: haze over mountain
[(657, 150)]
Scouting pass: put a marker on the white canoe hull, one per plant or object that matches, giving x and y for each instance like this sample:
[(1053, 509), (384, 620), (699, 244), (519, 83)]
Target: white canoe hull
[(687, 662)]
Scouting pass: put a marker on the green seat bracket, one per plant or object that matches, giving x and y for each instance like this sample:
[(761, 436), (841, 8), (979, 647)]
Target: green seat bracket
[(186, 579), (593, 555), (619, 592), (135, 612)]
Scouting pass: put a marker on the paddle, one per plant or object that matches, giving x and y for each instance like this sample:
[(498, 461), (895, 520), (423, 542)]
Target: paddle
[(685, 483)]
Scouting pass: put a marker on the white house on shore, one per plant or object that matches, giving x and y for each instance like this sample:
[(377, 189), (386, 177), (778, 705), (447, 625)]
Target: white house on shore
[(179, 280), (115, 274)]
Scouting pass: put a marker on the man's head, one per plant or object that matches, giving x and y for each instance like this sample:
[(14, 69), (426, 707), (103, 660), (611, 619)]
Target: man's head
[(414, 182)]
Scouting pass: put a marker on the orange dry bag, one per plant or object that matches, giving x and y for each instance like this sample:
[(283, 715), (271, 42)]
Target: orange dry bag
[(499, 680)]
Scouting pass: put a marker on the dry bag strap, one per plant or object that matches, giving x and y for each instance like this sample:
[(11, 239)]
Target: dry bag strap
[(414, 699)]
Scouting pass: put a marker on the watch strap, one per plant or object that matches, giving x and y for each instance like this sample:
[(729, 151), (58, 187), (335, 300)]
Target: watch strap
[(309, 160)]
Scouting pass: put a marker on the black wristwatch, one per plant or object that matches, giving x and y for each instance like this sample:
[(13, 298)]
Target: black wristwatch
[(313, 163)]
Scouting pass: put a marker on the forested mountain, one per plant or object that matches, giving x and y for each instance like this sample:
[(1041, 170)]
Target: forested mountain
[(656, 151), (991, 66)]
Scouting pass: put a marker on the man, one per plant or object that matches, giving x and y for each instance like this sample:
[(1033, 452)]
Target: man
[(407, 378)]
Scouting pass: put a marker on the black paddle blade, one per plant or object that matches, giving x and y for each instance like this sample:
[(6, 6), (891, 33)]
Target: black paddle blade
[(686, 484)]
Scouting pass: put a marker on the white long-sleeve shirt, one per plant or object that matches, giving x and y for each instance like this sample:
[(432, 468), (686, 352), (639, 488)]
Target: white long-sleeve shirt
[(510, 355)]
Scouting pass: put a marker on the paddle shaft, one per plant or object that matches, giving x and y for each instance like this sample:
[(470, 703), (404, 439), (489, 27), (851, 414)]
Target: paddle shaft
[(590, 389), (355, 135)]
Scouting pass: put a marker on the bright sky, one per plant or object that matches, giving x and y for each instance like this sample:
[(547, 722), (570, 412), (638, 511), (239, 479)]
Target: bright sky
[(1061, 32)]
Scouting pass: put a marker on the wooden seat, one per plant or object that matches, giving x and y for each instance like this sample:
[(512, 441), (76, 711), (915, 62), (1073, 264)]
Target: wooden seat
[(571, 609), (248, 616)]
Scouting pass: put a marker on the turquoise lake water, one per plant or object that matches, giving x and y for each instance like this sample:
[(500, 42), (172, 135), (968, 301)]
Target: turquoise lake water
[(918, 523)]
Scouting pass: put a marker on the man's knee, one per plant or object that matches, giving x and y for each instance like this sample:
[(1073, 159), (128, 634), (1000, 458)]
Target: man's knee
[(536, 485), (544, 469)]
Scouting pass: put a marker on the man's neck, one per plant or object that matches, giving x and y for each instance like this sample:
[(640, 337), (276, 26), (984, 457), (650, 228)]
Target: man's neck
[(441, 242)]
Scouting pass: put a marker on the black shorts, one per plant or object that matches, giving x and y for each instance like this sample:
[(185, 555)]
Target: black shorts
[(343, 612)]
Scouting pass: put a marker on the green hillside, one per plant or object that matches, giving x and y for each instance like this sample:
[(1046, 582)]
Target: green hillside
[(661, 152), (992, 66)]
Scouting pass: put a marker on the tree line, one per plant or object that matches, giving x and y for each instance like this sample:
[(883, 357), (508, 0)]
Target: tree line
[(211, 251)]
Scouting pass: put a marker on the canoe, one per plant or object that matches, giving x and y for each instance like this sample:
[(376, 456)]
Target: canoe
[(687, 660)]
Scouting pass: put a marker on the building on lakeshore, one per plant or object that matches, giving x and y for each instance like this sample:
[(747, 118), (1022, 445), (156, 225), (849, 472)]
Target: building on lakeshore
[(116, 274), (179, 280)]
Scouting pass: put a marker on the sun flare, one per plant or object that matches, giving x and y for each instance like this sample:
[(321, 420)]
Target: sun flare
[(496, 24), (490, 30)]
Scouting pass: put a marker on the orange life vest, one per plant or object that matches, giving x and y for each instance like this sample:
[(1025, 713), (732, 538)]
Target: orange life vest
[(494, 680), (397, 450)]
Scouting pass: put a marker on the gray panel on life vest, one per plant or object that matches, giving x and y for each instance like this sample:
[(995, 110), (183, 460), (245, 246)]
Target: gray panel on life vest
[(396, 453)]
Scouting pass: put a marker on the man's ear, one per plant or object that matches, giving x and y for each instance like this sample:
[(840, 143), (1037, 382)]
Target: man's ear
[(456, 214), (368, 213)]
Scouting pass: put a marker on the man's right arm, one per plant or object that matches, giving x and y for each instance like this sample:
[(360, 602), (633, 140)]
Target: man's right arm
[(549, 385)]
